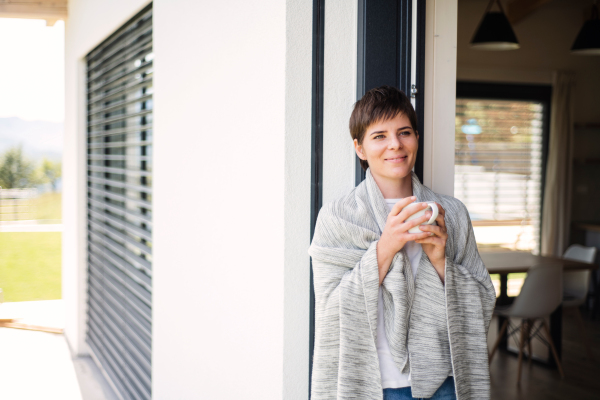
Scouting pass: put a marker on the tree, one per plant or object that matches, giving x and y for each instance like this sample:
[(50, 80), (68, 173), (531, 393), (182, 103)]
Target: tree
[(50, 172), (15, 170)]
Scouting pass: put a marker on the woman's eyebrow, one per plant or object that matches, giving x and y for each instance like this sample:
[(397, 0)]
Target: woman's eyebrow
[(399, 129)]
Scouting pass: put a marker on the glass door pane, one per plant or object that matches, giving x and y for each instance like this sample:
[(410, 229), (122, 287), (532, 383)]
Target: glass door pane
[(498, 170)]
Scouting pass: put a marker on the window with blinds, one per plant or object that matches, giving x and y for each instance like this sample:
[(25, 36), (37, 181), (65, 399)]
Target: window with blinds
[(498, 170), (119, 205)]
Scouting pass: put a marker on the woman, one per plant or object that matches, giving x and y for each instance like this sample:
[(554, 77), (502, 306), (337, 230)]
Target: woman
[(399, 315)]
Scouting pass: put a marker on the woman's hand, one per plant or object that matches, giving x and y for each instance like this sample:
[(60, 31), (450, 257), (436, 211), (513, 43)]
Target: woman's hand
[(395, 234), (434, 245)]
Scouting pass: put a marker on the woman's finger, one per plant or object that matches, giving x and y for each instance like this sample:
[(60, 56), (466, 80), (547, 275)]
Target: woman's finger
[(437, 230), (401, 204), (441, 222), (412, 209), (424, 241), (415, 222), (440, 219), (434, 240), (417, 236), (441, 209)]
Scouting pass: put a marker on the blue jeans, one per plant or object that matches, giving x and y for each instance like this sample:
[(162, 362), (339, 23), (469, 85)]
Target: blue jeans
[(444, 392)]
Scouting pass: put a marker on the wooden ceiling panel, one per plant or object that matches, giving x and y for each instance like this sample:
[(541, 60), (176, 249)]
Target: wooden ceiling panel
[(50, 10), (517, 10)]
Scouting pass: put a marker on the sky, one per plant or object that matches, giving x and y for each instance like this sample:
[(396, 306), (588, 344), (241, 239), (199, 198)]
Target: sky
[(32, 69)]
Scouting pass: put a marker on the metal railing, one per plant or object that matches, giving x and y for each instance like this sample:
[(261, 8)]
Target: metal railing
[(17, 204)]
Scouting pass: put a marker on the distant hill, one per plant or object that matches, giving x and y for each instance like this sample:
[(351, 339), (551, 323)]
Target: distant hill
[(38, 138)]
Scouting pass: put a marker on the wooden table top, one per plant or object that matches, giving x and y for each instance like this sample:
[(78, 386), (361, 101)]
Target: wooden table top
[(521, 261), (588, 227)]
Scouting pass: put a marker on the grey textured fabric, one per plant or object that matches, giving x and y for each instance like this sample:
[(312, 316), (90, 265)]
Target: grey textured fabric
[(433, 329)]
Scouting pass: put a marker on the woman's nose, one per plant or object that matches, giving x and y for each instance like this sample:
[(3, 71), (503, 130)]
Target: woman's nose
[(394, 143)]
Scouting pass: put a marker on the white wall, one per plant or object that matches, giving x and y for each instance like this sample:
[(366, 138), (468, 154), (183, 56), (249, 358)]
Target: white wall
[(440, 95), (231, 130), (546, 37), (298, 96), (339, 95), (89, 23), (218, 245), (232, 139)]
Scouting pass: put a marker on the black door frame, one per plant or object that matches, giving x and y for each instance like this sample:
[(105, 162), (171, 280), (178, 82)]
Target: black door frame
[(383, 59), (384, 56), (316, 190)]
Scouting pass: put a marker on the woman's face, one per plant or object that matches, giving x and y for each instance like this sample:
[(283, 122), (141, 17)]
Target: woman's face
[(390, 148)]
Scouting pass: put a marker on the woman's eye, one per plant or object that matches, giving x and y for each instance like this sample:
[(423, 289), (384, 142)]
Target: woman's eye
[(405, 133), (379, 137)]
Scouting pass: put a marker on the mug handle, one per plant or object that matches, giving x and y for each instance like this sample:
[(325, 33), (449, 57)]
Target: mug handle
[(434, 213)]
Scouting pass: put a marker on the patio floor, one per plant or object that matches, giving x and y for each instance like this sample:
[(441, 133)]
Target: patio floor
[(38, 365)]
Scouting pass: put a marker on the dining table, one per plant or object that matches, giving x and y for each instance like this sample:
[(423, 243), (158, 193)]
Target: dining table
[(507, 262)]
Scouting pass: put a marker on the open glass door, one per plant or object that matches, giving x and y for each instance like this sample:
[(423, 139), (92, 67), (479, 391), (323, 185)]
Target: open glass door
[(391, 51)]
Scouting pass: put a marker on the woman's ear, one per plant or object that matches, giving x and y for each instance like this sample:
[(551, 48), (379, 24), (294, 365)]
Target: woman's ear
[(359, 150)]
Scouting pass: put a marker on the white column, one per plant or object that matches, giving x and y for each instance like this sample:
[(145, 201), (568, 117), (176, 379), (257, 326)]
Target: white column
[(231, 199), (74, 216), (341, 18), (440, 95), (298, 84)]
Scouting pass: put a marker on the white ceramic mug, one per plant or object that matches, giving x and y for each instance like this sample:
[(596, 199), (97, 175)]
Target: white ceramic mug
[(434, 213)]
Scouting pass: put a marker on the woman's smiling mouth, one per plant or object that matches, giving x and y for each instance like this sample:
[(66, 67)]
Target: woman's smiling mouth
[(397, 159)]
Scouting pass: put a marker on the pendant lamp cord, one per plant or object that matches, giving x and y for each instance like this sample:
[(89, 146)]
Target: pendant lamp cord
[(491, 4)]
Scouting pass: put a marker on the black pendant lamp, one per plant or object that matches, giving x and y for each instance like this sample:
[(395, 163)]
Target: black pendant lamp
[(494, 31), (588, 40)]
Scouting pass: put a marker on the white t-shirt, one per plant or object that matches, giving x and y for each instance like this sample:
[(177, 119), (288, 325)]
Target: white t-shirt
[(391, 377)]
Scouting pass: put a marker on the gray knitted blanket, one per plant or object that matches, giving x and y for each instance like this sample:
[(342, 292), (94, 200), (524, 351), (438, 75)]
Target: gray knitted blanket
[(433, 329)]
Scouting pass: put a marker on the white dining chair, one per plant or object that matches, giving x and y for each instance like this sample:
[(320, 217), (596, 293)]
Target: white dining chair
[(540, 295), (576, 285)]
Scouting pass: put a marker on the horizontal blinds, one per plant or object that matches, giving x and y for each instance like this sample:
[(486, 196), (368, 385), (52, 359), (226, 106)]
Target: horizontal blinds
[(498, 167), (119, 205)]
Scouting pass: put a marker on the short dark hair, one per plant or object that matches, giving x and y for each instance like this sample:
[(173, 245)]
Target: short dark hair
[(379, 104)]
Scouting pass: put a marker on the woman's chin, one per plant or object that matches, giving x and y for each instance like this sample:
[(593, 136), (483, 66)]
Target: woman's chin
[(398, 172)]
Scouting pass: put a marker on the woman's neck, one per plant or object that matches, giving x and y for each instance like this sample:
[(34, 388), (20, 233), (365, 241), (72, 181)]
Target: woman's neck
[(394, 188)]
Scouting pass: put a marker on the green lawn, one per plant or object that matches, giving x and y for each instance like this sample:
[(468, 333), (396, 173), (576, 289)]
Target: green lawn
[(48, 206), (30, 265)]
